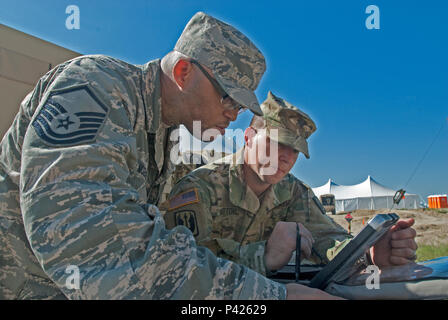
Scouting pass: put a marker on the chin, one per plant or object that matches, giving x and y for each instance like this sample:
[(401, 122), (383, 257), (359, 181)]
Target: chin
[(272, 179)]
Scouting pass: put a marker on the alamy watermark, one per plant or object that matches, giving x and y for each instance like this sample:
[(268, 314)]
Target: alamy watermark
[(73, 21), (73, 280), (373, 280), (373, 20), (267, 156)]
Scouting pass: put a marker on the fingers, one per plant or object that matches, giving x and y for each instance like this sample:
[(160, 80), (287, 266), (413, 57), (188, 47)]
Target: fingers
[(305, 233), (402, 234), (399, 247), (404, 223), (400, 260), (403, 245), (307, 241), (406, 253), (306, 247), (407, 243), (285, 236), (403, 251)]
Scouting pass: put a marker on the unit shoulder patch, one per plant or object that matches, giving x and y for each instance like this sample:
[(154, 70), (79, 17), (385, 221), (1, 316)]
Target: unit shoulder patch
[(183, 199), (319, 205), (188, 219), (70, 117)]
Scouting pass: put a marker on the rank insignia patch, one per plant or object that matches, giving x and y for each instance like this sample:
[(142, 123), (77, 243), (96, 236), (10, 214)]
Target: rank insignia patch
[(70, 117), (187, 218), (182, 199)]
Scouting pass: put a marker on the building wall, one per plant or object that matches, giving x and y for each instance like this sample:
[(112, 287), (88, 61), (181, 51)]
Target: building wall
[(23, 60)]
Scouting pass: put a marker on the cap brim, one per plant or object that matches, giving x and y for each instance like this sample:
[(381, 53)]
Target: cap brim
[(243, 96), (303, 147)]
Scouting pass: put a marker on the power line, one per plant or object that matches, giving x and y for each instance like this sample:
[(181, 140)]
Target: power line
[(427, 151)]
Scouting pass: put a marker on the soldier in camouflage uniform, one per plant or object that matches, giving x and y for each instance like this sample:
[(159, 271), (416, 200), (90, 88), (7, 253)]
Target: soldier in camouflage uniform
[(85, 161), (242, 212), (187, 162)]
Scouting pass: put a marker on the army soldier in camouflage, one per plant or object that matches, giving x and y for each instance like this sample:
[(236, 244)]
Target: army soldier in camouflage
[(242, 212), (187, 162), (85, 161)]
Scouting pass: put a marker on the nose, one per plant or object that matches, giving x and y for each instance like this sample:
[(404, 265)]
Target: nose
[(287, 154), (231, 114)]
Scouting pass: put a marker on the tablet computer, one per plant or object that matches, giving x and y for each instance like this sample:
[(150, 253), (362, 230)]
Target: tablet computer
[(336, 269)]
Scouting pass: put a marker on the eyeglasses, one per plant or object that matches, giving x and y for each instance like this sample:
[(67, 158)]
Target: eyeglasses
[(226, 101)]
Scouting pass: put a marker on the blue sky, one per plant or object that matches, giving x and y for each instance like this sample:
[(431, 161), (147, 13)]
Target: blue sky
[(378, 97)]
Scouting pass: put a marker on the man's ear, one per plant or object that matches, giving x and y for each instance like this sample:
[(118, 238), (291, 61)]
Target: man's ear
[(182, 72), (249, 134)]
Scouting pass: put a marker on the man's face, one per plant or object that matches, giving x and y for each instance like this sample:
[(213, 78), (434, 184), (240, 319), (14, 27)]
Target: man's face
[(205, 106), (270, 160)]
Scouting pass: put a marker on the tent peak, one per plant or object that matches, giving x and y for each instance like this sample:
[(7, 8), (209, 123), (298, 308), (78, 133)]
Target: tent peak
[(331, 182)]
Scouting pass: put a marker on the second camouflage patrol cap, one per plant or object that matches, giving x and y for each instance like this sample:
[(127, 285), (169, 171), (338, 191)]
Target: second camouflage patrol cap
[(292, 125), (235, 61)]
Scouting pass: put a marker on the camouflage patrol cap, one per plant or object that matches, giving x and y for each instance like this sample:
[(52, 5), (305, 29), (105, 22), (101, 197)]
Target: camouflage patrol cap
[(234, 60), (293, 126)]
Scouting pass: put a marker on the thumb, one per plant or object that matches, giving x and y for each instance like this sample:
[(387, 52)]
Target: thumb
[(403, 224)]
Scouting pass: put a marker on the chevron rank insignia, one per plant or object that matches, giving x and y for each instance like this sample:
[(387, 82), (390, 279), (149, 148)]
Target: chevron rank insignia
[(187, 218), (184, 198), (70, 117)]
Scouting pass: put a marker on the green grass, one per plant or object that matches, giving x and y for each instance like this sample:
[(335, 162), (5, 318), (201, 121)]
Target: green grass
[(428, 252)]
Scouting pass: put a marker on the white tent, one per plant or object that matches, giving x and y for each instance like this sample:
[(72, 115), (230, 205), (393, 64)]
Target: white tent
[(368, 194)]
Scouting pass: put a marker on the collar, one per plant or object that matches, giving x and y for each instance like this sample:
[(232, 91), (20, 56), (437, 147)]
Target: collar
[(153, 106), (152, 96)]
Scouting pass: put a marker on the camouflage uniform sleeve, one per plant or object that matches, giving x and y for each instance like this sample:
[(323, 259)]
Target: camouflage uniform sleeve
[(81, 211), (329, 236), (189, 205)]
